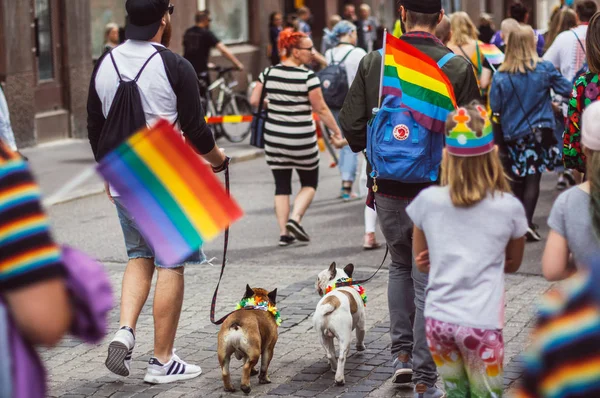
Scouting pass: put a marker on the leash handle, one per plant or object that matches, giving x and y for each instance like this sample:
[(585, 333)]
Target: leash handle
[(225, 244), (360, 282)]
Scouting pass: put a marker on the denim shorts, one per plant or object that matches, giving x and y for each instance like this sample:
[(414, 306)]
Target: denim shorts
[(136, 245)]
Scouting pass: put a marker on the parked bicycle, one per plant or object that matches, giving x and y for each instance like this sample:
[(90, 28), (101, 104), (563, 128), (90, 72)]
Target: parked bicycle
[(219, 99)]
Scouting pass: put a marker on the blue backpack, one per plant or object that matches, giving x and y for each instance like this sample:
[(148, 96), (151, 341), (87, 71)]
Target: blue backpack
[(398, 147)]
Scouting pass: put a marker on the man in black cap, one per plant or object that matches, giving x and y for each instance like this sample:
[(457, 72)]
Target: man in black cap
[(406, 288), (168, 89)]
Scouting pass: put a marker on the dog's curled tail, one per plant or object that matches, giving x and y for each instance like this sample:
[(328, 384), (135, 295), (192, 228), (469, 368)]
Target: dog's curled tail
[(329, 305)]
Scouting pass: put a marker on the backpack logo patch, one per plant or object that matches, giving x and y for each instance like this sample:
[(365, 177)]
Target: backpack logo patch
[(401, 132), (326, 84)]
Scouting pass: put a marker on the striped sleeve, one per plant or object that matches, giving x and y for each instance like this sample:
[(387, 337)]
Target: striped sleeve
[(312, 81), (27, 252)]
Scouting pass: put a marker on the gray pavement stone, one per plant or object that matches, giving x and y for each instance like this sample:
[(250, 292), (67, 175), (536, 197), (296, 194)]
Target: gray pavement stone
[(299, 367)]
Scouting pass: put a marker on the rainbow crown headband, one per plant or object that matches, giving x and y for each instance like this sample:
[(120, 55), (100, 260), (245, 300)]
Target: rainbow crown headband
[(463, 141)]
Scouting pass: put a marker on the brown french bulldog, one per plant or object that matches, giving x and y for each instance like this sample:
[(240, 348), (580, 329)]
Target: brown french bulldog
[(249, 333)]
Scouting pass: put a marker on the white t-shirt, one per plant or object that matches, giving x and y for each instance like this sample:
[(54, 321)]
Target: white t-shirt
[(351, 63), (467, 254), (566, 54), (168, 88)]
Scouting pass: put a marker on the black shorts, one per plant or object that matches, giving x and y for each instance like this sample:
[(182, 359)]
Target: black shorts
[(283, 180)]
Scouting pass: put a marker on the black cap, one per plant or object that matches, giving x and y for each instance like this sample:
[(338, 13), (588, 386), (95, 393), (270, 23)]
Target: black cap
[(423, 6), (144, 18)]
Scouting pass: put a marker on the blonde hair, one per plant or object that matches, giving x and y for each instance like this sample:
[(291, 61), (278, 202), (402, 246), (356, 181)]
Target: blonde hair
[(471, 178), (508, 26), (463, 29), (521, 54)]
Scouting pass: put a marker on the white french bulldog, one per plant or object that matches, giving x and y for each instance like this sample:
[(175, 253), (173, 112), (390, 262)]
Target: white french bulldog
[(339, 312)]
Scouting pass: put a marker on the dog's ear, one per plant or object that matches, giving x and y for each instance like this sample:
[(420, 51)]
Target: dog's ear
[(273, 296), (249, 292), (332, 271), (349, 269)]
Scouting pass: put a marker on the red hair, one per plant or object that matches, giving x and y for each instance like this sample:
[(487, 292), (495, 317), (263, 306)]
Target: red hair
[(289, 39)]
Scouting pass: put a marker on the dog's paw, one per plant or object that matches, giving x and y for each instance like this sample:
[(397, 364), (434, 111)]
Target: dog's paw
[(229, 389), (253, 372), (361, 347), (264, 380), (246, 389), (340, 382)]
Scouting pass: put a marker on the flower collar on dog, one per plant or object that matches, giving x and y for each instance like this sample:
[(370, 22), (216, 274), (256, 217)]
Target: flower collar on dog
[(361, 290), (251, 304)]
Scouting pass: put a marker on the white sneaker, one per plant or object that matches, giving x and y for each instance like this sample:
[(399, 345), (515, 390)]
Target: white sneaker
[(120, 349), (174, 370)]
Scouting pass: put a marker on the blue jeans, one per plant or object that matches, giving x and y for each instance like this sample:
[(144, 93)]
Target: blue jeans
[(136, 244), (406, 290), (348, 160), (348, 163)]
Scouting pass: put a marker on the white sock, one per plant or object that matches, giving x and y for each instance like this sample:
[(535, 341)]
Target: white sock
[(370, 220)]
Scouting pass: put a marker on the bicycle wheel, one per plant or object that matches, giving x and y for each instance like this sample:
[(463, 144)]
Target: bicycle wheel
[(236, 105)]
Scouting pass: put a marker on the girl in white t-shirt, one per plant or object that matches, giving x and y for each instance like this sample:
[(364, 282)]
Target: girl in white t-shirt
[(467, 234)]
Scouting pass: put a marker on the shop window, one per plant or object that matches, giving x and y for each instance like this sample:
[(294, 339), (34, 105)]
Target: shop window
[(43, 31), (102, 13), (229, 20)]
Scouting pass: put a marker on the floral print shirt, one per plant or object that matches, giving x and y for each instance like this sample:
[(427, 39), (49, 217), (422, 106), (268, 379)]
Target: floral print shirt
[(585, 91)]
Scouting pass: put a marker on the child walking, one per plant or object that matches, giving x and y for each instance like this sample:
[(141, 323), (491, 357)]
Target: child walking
[(467, 233)]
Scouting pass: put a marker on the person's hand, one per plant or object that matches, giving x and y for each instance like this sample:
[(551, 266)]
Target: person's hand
[(338, 140), (422, 261), (224, 166), (239, 66), (107, 189)]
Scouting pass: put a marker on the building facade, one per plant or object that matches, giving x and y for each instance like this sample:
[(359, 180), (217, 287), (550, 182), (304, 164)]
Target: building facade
[(45, 64)]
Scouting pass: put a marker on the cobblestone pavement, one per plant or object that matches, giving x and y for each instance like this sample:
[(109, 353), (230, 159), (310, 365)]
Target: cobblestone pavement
[(299, 368)]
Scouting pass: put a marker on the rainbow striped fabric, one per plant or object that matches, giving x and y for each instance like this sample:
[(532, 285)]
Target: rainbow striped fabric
[(564, 357), (27, 251), (175, 198), (423, 86), (492, 53)]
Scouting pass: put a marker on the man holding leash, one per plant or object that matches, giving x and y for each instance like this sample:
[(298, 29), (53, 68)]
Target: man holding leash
[(168, 88), (406, 289)]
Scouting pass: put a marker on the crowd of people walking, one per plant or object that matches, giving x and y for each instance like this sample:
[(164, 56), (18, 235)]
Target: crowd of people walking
[(452, 233), (533, 103)]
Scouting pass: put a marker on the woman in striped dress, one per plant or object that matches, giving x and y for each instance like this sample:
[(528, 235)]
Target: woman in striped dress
[(293, 94)]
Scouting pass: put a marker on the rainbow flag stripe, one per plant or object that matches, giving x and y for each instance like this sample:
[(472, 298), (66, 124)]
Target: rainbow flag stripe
[(492, 53), (423, 86), (177, 201)]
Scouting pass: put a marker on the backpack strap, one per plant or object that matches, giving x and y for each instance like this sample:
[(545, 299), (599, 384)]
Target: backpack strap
[(115, 65), (580, 43), (444, 60), (145, 64), (345, 56)]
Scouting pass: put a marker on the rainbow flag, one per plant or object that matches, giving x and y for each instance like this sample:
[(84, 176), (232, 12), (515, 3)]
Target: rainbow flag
[(176, 200), (492, 53), (423, 86)]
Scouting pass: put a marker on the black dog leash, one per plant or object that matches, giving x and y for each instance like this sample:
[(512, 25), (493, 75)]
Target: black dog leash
[(362, 281), (225, 244)]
